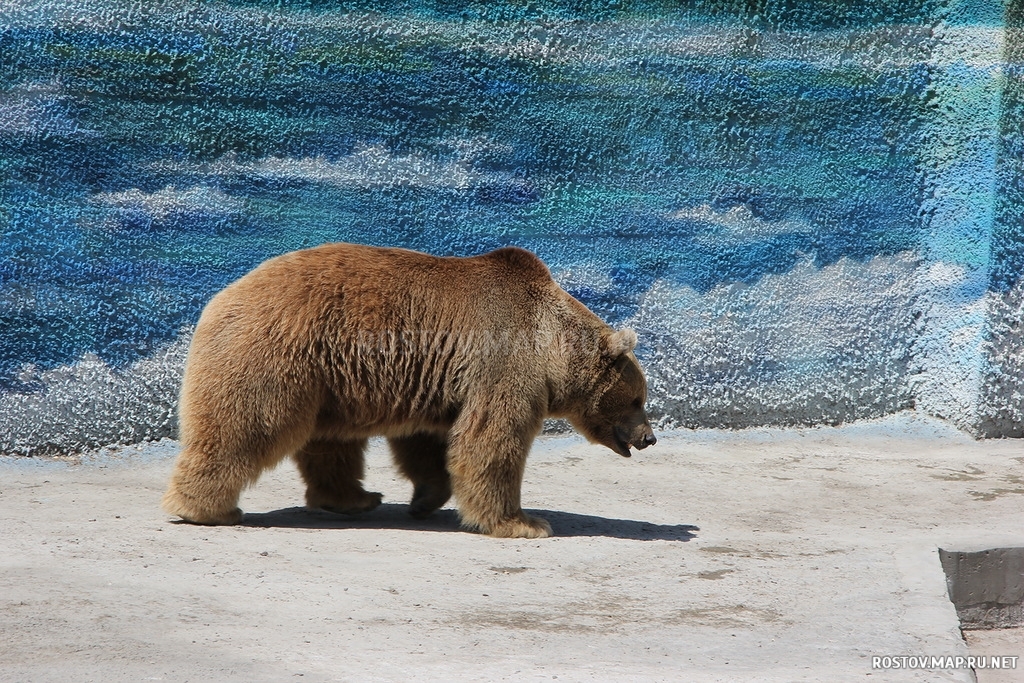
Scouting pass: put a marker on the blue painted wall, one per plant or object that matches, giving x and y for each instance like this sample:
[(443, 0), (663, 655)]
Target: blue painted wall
[(804, 207)]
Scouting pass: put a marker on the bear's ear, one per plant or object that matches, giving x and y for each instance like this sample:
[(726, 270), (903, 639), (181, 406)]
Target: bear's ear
[(620, 342)]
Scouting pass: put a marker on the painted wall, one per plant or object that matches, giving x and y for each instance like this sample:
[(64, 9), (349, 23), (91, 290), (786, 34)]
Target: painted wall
[(809, 210)]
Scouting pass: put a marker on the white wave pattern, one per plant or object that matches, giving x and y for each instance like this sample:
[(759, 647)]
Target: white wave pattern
[(369, 166), (90, 404), (1001, 413), (39, 109), (171, 200), (737, 225), (812, 346)]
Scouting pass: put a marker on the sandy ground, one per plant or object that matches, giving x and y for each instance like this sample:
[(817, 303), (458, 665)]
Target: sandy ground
[(767, 555)]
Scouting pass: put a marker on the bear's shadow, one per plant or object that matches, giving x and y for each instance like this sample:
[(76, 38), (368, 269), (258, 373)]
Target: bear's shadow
[(395, 516)]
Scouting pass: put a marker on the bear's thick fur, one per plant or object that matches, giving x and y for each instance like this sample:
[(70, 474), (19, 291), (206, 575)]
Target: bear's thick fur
[(456, 361)]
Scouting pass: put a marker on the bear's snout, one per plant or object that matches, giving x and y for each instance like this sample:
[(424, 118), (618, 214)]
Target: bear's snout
[(645, 438), (639, 437)]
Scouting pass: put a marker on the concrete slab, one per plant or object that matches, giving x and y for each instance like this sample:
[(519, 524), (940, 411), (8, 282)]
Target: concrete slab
[(986, 586), (762, 555)]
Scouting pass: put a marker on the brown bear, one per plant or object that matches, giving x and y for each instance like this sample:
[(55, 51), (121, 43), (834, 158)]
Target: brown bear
[(457, 361)]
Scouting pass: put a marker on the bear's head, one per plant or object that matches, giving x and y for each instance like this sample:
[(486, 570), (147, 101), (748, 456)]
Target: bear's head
[(615, 415)]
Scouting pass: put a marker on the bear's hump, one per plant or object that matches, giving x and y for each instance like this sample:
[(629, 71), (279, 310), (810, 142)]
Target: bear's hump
[(521, 262)]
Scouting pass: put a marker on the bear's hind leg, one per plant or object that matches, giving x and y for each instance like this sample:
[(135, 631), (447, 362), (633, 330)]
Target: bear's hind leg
[(423, 459), (333, 472)]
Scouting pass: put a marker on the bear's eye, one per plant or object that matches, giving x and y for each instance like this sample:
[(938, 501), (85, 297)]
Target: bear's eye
[(637, 403)]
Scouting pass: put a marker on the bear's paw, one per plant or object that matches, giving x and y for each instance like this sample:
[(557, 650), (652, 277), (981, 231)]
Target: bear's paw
[(524, 526), (364, 501)]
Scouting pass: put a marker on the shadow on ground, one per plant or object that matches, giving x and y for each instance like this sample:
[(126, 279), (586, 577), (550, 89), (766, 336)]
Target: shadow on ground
[(395, 516)]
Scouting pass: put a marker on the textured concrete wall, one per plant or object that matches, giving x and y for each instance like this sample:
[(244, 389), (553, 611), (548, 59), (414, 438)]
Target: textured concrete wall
[(809, 210), (1001, 410)]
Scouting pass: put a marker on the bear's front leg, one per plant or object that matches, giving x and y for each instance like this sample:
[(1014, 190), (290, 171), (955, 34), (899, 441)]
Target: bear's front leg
[(486, 460), (333, 472)]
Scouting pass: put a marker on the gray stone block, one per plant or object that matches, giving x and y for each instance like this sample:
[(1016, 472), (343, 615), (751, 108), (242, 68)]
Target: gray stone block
[(986, 586)]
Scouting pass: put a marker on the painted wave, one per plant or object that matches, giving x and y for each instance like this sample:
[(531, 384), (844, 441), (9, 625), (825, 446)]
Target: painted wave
[(1001, 412), (815, 345), (811, 346), (89, 404)]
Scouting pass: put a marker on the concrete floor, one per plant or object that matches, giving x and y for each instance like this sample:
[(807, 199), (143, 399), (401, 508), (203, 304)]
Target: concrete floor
[(761, 555)]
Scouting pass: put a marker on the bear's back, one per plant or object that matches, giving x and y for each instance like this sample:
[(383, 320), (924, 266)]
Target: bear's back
[(338, 292), (387, 282)]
